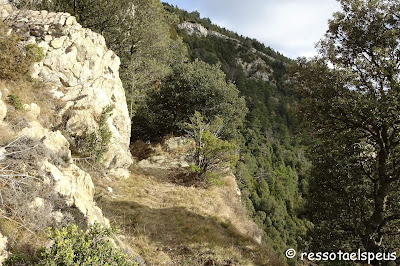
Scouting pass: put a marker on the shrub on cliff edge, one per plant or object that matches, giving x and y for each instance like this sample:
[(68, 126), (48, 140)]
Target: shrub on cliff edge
[(71, 246)]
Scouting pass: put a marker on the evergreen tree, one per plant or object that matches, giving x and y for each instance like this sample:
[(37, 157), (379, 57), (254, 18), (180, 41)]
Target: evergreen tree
[(352, 104), (195, 86), (149, 52), (211, 153)]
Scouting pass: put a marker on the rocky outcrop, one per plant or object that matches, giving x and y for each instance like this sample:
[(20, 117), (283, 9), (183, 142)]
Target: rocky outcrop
[(176, 155), (255, 67), (83, 74), (3, 249), (78, 189), (57, 167), (199, 30), (194, 29), (5, 8)]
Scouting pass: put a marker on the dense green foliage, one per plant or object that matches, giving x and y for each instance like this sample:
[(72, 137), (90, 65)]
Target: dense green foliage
[(352, 105), (211, 153), (72, 246), (195, 86)]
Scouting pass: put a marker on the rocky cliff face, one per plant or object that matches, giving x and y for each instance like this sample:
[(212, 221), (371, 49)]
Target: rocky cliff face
[(254, 66), (83, 75), (199, 30)]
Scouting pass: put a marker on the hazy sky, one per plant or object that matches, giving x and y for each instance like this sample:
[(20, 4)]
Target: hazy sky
[(291, 27)]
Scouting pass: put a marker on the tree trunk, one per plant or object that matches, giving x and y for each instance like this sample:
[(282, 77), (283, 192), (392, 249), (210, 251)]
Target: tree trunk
[(373, 237)]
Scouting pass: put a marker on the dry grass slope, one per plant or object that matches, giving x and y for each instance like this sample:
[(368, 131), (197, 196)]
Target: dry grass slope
[(172, 222)]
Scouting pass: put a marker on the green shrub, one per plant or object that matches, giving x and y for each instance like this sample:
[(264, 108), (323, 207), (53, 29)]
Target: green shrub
[(15, 101), (93, 145), (211, 153), (20, 259), (34, 53), (71, 246), (195, 86), (214, 179)]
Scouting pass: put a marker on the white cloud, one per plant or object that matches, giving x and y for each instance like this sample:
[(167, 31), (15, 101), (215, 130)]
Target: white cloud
[(292, 27)]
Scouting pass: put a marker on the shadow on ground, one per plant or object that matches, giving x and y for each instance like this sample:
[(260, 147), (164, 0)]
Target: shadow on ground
[(180, 232)]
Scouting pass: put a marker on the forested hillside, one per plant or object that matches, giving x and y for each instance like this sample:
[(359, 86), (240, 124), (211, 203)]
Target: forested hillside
[(272, 170)]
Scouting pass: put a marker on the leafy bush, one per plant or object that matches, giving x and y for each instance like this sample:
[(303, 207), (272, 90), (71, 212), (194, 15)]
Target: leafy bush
[(71, 246), (93, 145), (211, 153), (195, 86), (214, 179), (15, 101)]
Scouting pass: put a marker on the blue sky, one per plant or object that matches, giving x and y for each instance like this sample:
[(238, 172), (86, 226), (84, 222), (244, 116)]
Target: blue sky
[(291, 27)]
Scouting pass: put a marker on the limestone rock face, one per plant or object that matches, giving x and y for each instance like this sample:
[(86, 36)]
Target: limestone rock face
[(70, 181), (199, 30), (3, 109), (77, 186), (3, 251), (255, 68), (5, 8), (83, 73), (194, 29)]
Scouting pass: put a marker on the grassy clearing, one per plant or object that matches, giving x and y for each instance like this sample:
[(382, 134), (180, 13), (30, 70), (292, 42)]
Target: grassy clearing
[(175, 224)]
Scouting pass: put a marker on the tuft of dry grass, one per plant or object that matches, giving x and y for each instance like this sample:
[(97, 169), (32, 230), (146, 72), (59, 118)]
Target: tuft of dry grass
[(22, 240), (31, 91), (140, 150)]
